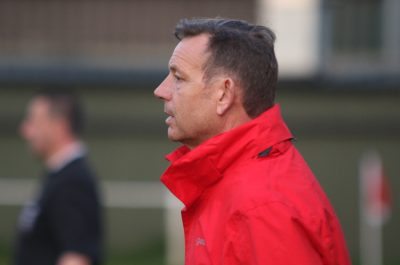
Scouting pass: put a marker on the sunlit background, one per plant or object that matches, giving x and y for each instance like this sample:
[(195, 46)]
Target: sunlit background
[(339, 90)]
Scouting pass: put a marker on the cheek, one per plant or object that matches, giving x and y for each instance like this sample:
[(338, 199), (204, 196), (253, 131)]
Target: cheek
[(186, 106), (38, 134), (194, 114)]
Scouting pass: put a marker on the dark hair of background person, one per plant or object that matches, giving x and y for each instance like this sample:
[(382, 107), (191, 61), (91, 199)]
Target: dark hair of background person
[(65, 103), (245, 51)]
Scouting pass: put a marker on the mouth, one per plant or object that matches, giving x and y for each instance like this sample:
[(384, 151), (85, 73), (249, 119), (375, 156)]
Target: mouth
[(170, 118)]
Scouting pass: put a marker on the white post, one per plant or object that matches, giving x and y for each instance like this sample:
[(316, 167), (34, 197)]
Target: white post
[(370, 222), (175, 245), (297, 28), (391, 33)]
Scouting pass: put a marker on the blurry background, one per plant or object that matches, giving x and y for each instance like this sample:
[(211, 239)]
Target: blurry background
[(339, 90)]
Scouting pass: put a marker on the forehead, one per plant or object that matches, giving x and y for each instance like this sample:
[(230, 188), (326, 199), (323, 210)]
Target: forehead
[(39, 105), (190, 53)]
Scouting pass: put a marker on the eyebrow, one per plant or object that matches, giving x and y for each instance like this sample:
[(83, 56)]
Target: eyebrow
[(175, 69), (172, 68)]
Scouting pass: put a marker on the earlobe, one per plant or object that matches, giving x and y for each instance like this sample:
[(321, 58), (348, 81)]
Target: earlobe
[(226, 96)]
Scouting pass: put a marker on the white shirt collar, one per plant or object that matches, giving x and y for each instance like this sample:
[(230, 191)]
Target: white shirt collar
[(65, 156)]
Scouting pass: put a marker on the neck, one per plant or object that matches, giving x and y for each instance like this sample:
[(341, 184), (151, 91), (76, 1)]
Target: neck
[(227, 123), (233, 121), (63, 152)]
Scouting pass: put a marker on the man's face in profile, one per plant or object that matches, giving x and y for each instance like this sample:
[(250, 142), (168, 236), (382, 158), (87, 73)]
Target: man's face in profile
[(188, 99), (39, 127)]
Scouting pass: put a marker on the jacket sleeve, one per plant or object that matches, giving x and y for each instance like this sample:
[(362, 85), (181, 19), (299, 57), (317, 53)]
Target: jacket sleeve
[(269, 234)]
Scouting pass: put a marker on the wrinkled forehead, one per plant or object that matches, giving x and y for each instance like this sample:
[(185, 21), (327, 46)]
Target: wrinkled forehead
[(190, 53)]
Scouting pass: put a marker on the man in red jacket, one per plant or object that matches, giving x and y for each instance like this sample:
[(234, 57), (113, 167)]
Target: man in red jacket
[(249, 196)]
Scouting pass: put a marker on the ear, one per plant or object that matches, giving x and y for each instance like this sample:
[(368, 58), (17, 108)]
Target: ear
[(226, 95)]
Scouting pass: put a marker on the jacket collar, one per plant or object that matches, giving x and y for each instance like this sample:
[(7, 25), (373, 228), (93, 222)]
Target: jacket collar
[(192, 171)]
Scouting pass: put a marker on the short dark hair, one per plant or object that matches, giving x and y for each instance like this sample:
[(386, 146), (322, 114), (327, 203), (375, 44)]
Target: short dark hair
[(242, 49), (64, 102)]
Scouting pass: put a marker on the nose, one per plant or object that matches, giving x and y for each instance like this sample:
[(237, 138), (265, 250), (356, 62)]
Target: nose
[(163, 91)]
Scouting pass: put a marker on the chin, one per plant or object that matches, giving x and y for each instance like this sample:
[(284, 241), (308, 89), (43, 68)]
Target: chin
[(37, 152), (174, 136)]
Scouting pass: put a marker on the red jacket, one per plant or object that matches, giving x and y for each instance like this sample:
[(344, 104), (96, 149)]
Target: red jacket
[(251, 199)]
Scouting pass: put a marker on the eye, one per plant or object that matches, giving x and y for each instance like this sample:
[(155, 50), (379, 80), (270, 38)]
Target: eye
[(177, 78)]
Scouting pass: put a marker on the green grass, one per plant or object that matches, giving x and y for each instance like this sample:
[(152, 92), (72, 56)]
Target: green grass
[(152, 254), (5, 255)]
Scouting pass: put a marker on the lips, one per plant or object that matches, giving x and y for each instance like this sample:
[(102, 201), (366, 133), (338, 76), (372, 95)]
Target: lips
[(168, 113), (170, 117), (168, 121)]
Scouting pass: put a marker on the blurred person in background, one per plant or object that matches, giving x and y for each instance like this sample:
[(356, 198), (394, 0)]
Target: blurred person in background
[(250, 198), (62, 225)]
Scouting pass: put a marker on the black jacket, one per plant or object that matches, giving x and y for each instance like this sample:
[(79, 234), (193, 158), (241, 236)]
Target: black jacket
[(65, 217)]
